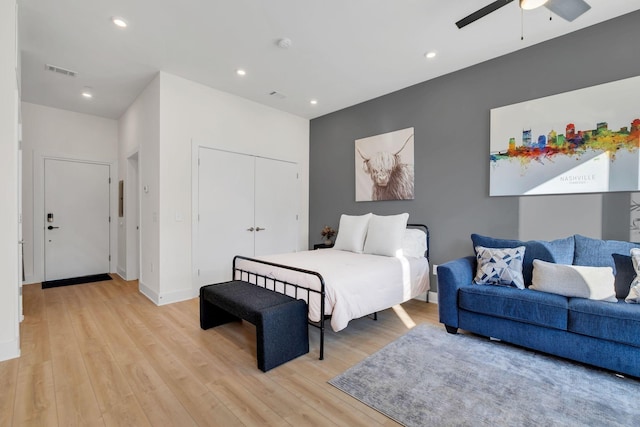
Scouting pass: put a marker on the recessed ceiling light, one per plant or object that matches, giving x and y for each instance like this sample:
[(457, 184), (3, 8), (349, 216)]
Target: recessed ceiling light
[(284, 43), (87, 94), (313, 101), (430, 55), (241, 72), (119, 22)]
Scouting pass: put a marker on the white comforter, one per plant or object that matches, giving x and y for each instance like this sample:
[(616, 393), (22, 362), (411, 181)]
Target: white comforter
[(355, 284)]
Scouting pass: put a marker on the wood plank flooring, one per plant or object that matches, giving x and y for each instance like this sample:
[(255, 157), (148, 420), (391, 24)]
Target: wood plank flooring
[(102, 354)]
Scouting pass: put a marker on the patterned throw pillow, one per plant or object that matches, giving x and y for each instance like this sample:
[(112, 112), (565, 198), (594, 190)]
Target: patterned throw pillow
[(501, 266), (634, 292)]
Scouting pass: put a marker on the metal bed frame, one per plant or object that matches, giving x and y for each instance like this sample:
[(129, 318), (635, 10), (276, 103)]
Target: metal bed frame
[(298, 291)]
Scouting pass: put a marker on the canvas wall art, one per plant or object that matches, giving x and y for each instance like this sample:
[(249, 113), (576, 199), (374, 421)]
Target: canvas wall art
[(385, 166), (583, 141), (634, 217)]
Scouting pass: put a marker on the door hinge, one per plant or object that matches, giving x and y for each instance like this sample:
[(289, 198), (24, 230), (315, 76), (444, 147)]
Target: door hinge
[(198, 161), (198, 272), (109, 218), (109, 257), (109, 180)]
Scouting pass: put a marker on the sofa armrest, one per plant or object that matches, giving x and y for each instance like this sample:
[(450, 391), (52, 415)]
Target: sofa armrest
[(451, 276)]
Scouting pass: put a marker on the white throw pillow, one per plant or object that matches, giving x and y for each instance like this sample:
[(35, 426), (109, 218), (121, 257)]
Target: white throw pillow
[(351, 233), (595, 283), (634, 291), (500, 266), (384, 236), (414, 243)]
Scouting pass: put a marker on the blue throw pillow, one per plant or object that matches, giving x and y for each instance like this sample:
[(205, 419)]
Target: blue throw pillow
[(598, 253), (559, 251)]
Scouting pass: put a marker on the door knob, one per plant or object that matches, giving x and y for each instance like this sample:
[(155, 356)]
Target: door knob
[(51, 227), (260, 228), (250, 229)]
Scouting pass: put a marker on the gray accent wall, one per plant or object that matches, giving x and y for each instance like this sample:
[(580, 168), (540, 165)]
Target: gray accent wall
[(450, 115)]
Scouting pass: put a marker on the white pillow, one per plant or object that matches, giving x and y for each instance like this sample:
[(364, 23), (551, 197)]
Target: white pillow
[(384, 236), (351, 233), (595, 283), (414, 243), (634, 291)]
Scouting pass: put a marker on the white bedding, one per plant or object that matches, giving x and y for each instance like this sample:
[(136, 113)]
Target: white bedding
[(355, 284)]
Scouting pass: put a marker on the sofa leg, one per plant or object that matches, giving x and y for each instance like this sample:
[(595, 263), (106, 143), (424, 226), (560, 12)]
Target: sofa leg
[(451, 329)]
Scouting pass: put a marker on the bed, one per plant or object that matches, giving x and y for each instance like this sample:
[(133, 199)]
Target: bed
[(340, 284)]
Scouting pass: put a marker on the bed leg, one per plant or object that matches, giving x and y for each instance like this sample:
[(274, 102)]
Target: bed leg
[(322, 338), (375, 316)]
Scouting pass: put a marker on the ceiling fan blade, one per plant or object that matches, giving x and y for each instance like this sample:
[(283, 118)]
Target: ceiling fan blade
[(567, 9), (482, 12)]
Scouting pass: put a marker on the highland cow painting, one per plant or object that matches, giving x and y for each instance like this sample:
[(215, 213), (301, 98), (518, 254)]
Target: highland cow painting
[(384, 166), (583, 141)]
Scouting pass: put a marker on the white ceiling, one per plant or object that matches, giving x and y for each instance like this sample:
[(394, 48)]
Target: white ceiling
[(344, 51)]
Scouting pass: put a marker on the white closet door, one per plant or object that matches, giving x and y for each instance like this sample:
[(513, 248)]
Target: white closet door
[(276, 207), (225, 205)]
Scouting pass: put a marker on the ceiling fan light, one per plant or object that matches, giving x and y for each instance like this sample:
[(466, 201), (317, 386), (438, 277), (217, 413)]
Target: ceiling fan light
[(531, 4)]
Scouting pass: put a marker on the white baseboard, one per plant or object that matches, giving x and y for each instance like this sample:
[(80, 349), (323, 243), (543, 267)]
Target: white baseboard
[(166, 298), (30, 279), (433, 297), (148, 292), (9, 350), (121, 272), (176, 296)]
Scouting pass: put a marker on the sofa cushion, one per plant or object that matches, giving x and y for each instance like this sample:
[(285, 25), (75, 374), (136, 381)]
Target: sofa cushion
[(501, 266), (625, 273), (559, 251), (523, 305), (598, 253), (617, 322), (595, 283)]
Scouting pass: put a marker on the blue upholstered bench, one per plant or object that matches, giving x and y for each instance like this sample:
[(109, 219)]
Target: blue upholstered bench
[(281, 321)]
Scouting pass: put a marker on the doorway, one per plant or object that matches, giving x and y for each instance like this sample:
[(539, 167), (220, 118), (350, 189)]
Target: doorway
[(132, 218)]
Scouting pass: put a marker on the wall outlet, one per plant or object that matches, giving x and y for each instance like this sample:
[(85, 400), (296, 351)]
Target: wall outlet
[(435, 269)]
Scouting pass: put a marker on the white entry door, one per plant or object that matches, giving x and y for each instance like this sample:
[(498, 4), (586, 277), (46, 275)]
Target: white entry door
[(76, 219)]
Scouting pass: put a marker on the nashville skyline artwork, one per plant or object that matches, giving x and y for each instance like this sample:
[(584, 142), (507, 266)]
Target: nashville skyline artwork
[(582, 141), (571, 143)]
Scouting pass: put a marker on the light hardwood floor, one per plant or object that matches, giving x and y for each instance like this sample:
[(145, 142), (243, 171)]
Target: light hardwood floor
[(102, 354)]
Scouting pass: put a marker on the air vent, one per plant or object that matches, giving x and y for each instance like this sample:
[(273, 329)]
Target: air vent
[(277, 95), (60, 70)]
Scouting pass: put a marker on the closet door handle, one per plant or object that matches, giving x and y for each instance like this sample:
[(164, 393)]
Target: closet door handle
[(250, 229), (260, 229)]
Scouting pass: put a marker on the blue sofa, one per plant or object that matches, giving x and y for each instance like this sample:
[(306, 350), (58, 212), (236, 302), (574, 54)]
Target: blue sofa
[(603, 334)]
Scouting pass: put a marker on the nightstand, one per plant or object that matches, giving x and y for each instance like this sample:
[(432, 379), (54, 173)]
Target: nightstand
[(322, 246)]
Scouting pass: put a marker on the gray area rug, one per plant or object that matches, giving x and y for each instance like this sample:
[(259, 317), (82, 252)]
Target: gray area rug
[(431, 378)]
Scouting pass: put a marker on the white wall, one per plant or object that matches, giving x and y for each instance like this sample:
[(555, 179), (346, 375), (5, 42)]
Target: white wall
[(51, 132), (193, 114), (559, 216), (139, 132), (9, 221)]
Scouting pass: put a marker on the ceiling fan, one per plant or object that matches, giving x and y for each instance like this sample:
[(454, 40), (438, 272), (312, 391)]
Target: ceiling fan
[(566, 9)]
